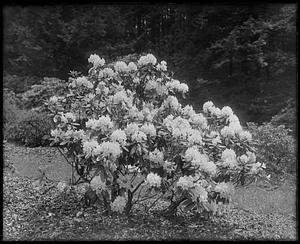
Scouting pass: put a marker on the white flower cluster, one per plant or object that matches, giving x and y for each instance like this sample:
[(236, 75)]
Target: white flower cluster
[(215, 135), (118, 205), (169, 166), (82, 81), (104, 124), (112, 150), (227, 111), (172, 102), (185, 182), (208, 106), (157, 157), (96, 60), (229, 158), (121, 66), (131, 128), (148, 59), (179, 127), (199, 120), (102, 89), (149, 112), (120, 97), (97, 183), (89, 147), (132, 67), (139, 136), (153, 180), (66, 116), (194, 137), (75, 134), (225, 189), (198, 159), (134, 113), (249, 157), (199, 193), (119, 136), (159, 88), (175, 85), (188, 111), (149, 129), (162, 66), (256, 167), (106, 73), (57, 133)]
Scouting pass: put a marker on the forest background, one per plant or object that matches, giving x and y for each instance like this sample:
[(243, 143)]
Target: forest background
[(243, 56)]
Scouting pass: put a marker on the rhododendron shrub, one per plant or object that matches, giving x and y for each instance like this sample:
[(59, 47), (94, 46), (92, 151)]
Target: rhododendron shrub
[(130, 139)]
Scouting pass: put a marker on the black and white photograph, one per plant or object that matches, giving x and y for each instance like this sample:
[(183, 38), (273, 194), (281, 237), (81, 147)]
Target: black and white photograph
[(150, 121)]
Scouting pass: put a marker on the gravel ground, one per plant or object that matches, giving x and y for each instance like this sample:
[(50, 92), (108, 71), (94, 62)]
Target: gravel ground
[(38, 212)]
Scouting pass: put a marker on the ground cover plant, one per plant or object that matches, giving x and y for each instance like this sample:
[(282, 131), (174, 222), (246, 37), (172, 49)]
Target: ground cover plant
[(130, 140)]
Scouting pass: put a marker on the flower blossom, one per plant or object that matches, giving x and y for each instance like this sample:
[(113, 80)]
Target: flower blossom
[(82, 81), (139, 136), (185, 182), (104, 124), (199, 120), (175, 85), (199, 192), (106, 73), (118, 205), (162, 66), (89, 147), (148, 59), (131, 129), (96, 60), (120, 97), (153, 179), (111, 150), (227, 111), (118, 136), (149, 129), (188, 111), (208, 106), (132, 66), (121, 66), (225, 189), (156, 156), (229, 158)]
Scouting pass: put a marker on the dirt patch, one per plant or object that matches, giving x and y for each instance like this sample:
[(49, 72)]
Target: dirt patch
[(27, 162)]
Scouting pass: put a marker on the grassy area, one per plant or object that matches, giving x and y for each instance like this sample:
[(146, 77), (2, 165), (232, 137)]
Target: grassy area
[(40, 213)]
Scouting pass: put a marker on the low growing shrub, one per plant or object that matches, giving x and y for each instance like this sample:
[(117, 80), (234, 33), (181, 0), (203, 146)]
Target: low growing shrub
[(29, 129), (275, 147), (39, 93)]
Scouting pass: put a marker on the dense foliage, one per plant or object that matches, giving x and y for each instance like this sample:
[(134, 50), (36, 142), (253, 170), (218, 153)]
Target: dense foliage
[(275, 147), (247, 51), (128, 137), (29, 128)]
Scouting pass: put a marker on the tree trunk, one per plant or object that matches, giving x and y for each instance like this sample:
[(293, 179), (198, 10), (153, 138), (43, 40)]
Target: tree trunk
[(129, 203), (172, 209)]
